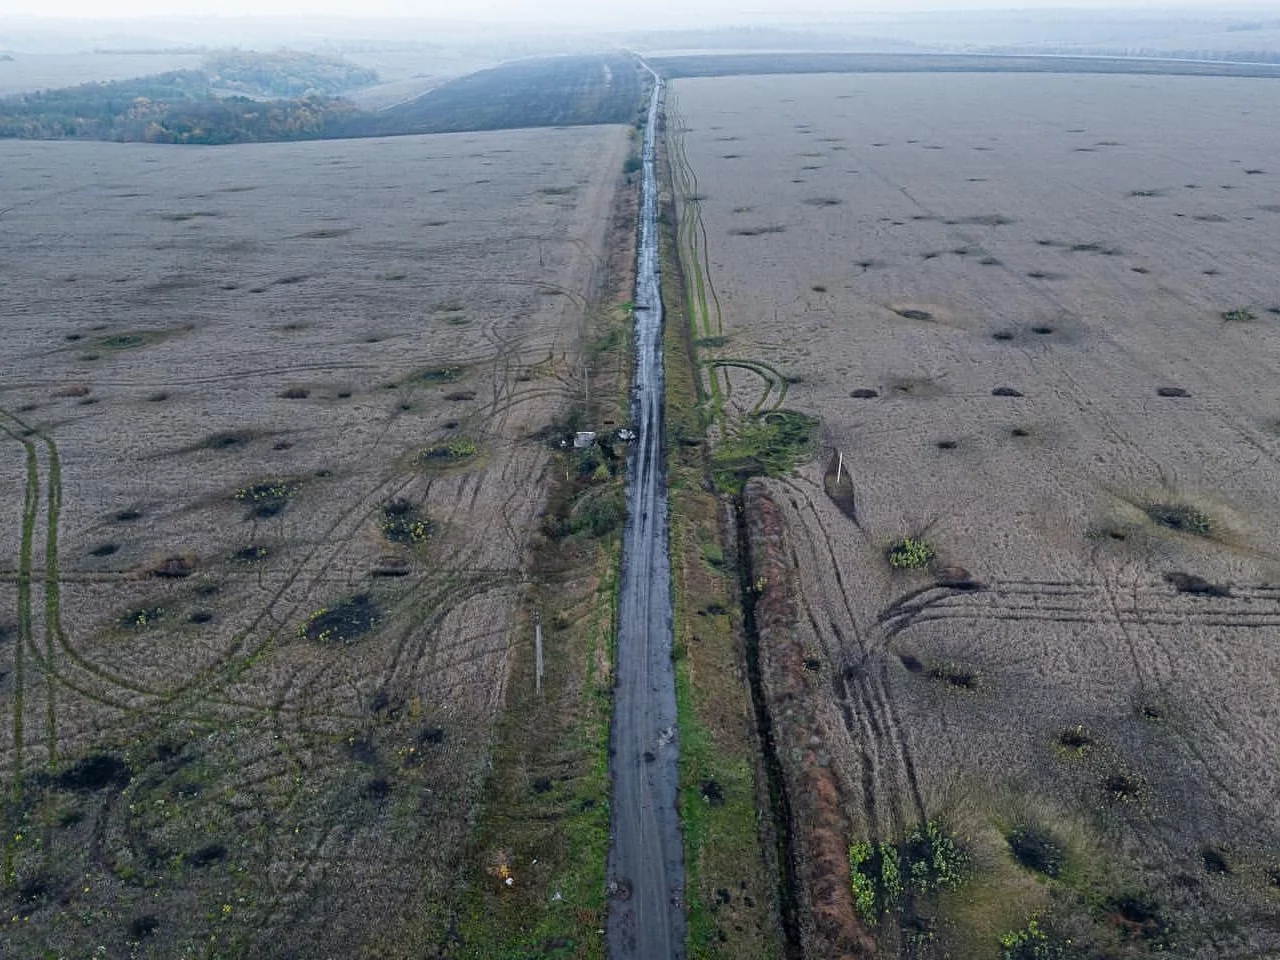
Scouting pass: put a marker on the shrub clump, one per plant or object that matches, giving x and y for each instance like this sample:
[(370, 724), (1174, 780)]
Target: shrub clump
[(770, 444), (1179, 516), (268, 498), (1238, 315), (402, 522), (927, 860), (449, 451), (910, 553)]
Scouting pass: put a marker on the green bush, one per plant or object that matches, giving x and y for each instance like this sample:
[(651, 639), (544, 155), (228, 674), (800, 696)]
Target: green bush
[(910, 553)]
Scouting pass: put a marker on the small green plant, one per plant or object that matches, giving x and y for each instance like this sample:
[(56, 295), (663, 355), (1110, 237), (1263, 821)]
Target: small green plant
[(910, 553), (1238, 315), (632, 164), (1029, 943), (937, 862), (459, 448), (862, 882)]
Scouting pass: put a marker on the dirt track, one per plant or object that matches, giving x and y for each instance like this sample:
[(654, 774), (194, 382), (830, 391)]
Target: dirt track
[(646, 861)]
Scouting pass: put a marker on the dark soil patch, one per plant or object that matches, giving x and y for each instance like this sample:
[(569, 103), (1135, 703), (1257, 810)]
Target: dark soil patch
[(946, 444), (1172, 392), (294, 393), (914, 314), (460, 395), (757, 231), (1215, 860), (128, 516), (254, 553), (864, 394), (104, 550), (1037, 850), (1137, 915), (955, 677), (1043, 331), (343, 623), (823, 201), (1003, 335), (1122, 786), (1076, 739), (96, 772), (142, 927), (912, 664), (158, 397), (377, 789), (224, 441), (1180, 517), (448, 374), (712, 793), (1005, 392), (208, 854), (201, 616), (174, 568), (1190, 583)]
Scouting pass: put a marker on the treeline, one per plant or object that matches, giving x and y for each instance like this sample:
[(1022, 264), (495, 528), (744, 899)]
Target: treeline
[(175, 107), (285, 74)]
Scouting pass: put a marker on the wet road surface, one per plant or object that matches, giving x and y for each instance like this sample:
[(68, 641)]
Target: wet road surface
[(646, 857)]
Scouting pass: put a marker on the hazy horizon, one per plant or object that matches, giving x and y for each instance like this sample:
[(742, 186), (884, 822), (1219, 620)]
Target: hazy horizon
[(587, 14)]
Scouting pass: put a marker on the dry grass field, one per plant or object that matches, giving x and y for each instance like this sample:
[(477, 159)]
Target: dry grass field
[(1040, 318), (270, 482)]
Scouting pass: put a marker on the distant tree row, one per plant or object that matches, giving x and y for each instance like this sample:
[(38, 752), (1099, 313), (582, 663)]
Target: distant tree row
[(175, 107), (285, 74)]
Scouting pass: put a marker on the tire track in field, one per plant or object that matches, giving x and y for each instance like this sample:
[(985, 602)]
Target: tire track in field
[(859, 684), (30, 507)]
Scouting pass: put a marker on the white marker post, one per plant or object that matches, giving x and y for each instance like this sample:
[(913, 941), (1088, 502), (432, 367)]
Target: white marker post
[(839, 467)]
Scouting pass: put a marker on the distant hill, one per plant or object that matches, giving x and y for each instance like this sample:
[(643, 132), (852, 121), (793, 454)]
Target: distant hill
[(191, 106), (546, 92)]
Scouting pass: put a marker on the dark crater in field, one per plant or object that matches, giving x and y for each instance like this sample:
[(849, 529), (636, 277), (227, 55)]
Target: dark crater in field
[(128, 516), (1215, 860), (1036, 849), (757, 231), (1172, 392), (864, 394), (253, 553), (175, 567), (1005, 392), (1180, 517), (208, 854), (823, 201), (946, 444), (1197, 586), (914, 314), (912, 663), (712, 793), (98, 771), (1042, 330), (343, 623), (104, 550), (1002, 335), (955, 677), (142, 927)]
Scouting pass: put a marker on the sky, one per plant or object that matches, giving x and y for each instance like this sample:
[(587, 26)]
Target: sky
[(580, 11)]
